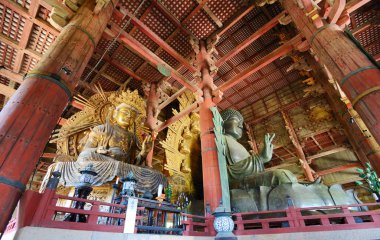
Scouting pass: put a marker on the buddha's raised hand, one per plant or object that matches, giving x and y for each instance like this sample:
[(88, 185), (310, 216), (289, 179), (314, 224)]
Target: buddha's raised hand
[(267, 151)]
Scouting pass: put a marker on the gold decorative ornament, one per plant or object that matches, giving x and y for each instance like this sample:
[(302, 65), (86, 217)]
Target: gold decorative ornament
[(182, 148)]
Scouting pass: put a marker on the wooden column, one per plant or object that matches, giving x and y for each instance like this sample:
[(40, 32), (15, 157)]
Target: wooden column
[(210, 169), (31, 114), (300, 154), (151, 120), (355, 73), (365, 150)]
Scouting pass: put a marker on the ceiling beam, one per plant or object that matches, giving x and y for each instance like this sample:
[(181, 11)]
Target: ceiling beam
[(284, 107), (264, 29), (195, 11), (210, 13), (339, 168), (327, 152), (24, 13), (173, 19), (15, 45), (183, 113), (11, 75), (49, 155), (237, 16), (6, 91), (138, 48), (123, 68), (282, 50), (155, 38)]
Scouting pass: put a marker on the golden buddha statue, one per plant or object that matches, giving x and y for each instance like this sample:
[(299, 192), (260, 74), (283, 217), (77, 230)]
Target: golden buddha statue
[(108, 134), (116, 139)]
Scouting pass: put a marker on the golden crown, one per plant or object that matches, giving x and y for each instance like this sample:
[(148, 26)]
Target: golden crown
[(132, 99)]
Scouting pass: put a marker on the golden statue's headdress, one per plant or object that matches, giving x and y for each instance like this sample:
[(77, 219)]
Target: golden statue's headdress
[(131, 99)]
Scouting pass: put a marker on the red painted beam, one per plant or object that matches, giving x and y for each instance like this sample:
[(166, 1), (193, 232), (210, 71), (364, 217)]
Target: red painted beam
[(284, 49), (76, 104), (155, 38), (124, 69), (339, 168), (62, 121), (336, 10), (264, 29), (171, 98), (172, 18), (180, 115), (235, 20), (195, 11), (148, 55), (377, 57), (49, 155)]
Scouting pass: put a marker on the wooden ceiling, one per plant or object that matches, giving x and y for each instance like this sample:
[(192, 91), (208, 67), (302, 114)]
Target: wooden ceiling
[(160, 33)]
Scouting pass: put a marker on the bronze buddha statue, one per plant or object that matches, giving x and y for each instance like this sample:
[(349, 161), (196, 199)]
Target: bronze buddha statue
[(242, 166), (254, 189)]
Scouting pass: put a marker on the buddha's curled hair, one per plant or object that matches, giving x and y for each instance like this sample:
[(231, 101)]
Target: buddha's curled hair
[(226, 114)]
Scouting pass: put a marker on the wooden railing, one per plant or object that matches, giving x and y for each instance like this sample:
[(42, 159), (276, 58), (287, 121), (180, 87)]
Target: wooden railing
[(329, 218), (306, 220), (197, 225), (51, 215)]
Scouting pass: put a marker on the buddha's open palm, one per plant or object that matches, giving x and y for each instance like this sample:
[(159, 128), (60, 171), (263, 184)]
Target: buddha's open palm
[(267, 152)]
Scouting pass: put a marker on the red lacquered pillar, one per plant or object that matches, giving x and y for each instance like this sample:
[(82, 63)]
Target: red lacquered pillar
[(151, 120), (211, 177), (31, 114)]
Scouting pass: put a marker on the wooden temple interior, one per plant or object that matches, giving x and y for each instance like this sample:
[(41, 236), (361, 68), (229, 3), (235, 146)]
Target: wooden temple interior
[(261, 62)]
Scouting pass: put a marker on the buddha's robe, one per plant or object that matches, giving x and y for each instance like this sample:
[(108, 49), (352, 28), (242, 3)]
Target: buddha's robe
[(121, 145), (250, 168)]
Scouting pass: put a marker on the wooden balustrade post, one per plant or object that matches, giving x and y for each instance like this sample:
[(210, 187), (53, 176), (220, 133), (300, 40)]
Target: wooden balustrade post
[(299, 218), (348, 215), (93, 215), (239, 222), (210, 225), (292, 213), (46, 200)]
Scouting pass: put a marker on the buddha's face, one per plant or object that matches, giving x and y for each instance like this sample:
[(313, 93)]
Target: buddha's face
[(124, 116), (233, 127)]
